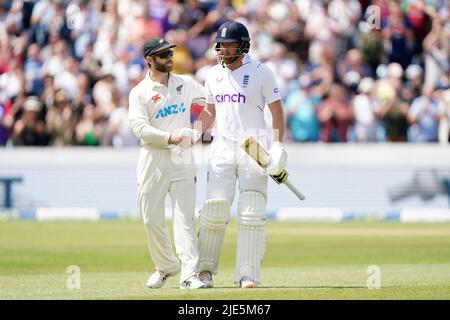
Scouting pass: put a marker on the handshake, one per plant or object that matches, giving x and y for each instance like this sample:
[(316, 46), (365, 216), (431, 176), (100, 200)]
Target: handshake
[(182, 139)]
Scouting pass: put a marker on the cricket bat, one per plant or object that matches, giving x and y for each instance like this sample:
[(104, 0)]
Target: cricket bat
[(256, 151)]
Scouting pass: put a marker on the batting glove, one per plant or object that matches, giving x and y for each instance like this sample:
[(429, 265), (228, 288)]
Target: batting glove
[(278, 159)]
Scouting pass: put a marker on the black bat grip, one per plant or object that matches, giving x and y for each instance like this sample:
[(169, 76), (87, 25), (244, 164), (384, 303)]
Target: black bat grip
[(281, 177)]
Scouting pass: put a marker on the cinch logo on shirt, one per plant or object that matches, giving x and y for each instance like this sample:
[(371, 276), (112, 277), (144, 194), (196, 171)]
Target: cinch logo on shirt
[(170, 110), (237, 97)]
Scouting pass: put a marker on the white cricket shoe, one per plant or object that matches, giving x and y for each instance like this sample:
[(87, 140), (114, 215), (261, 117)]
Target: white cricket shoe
[(192, 283), (158, 279), (206, 278), (247, 283)]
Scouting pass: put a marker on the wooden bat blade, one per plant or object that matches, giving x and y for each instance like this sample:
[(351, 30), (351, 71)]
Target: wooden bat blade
[(256, 151)]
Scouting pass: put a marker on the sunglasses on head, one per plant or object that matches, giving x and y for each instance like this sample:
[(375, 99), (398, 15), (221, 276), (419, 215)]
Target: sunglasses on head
[(165, 54)]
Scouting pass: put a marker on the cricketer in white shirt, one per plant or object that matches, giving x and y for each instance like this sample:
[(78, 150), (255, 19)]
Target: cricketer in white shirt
[(239, 98), (156, 110)]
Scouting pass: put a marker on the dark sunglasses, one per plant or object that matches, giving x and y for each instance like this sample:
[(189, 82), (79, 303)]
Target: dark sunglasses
[(165, 55)]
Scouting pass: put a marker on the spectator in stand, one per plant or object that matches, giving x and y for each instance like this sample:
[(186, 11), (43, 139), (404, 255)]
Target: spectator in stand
[(363, 106), (61, 121), (202, 65), (90, 65), (6, 51), (33, 70), (55, 56), (84, 95), (345, 14), (424, 116), (105, 93), (106, 41), (283, 67), (66, 79), (414, 82), (444, 80), (292, 33), (201, 22), (437, 51), (119, 128), (321, 28), (43, 13), (135, 74), (119, 70), (14, 19), (30, 130), (13, 81), (89, 131), (6, 122), (48, 95), (300, 112), (335, 115), (392, 107), (399, 38), (418, 18), (444, 123), (183, 62), (370, 42), (319, 70), (84, 23), (352, 69)]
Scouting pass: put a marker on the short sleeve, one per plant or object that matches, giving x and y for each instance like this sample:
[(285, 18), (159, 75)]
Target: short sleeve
[(198, 91), (208, 92), (270, 90)]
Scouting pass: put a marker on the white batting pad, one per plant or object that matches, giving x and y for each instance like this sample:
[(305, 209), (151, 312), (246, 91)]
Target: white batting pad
[(213, 219), (251, 242)]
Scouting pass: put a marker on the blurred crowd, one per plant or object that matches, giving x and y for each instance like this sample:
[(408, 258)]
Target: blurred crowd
[(348, 70)]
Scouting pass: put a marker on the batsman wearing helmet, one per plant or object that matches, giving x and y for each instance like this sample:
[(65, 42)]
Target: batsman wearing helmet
[(238, 90), (159, 116)]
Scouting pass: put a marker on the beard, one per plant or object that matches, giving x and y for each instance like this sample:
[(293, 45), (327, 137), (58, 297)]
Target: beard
[(229, 59), (163, 67)]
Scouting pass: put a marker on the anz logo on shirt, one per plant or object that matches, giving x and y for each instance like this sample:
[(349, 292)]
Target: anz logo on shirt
[(170, 110)]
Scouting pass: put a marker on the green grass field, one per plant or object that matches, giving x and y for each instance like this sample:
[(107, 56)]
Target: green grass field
[(302, 261)]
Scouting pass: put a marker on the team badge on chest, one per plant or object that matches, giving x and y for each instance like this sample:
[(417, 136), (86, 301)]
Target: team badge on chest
[(156, 98), (245, 80)]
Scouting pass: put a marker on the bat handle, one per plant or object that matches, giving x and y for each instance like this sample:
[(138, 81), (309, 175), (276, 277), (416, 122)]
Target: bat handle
[(281, 177), (300, 195)]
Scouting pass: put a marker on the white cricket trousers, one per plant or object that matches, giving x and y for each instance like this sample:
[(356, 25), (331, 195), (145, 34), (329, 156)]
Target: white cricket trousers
[(228, 163), (161, 172)]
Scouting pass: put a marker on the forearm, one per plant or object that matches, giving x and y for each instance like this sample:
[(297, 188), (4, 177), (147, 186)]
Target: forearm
[(149, 134), (277, 120), (206, 118), (278, 126), (140, 124)]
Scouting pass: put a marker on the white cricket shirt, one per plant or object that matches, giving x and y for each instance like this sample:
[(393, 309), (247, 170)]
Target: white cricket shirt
[(156, 110), (240, 97)]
